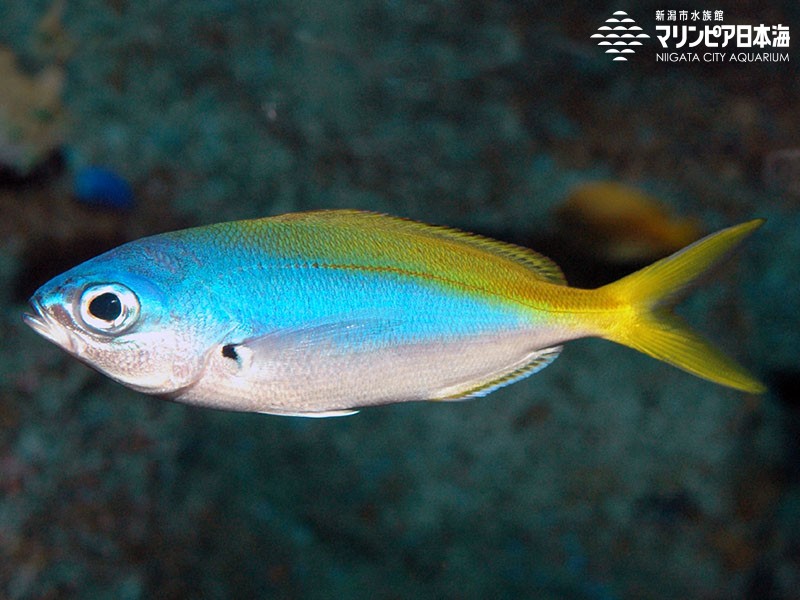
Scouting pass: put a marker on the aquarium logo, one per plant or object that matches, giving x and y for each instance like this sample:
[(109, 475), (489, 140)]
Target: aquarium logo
[(619, 33), (707, 39)]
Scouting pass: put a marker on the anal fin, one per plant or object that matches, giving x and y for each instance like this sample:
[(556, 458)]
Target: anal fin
[(534, 363)]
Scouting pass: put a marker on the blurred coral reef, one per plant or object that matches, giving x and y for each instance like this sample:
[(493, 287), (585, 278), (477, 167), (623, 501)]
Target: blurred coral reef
[(32, 118)]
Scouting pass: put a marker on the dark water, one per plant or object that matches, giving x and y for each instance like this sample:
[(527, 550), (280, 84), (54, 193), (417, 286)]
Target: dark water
[(606, 476)]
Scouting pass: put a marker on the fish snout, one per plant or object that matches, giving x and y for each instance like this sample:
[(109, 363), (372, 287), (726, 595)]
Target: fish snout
[(44, 322)]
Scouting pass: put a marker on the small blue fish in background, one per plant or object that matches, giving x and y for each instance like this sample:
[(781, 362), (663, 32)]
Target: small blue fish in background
[(103, 188)]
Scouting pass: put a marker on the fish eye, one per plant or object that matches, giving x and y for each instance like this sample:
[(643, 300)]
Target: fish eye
[(109, 308)]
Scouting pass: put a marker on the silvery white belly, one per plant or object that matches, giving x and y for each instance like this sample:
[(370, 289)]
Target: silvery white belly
[(335, 367)]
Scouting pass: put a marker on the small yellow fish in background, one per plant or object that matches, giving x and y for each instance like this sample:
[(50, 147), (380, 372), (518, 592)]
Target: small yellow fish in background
[(316, 314), (622, 224)]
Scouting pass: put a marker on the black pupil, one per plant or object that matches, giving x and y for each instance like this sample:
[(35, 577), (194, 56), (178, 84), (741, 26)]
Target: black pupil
[(106, 307)]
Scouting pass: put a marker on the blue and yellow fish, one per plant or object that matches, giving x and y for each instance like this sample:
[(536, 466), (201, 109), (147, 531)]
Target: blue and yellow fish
[(320, 313)]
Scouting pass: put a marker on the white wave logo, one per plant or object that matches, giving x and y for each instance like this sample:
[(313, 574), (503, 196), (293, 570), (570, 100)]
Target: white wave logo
[(620, 32)]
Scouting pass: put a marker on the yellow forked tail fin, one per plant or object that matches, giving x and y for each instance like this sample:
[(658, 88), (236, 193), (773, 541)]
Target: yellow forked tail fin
[(649, 326)]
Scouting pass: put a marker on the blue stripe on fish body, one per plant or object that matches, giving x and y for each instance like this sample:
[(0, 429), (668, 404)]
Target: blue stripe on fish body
[(285, 297), (260, 287)]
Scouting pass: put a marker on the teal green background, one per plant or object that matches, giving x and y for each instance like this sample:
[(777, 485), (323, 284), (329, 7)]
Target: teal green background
[(605, 476)]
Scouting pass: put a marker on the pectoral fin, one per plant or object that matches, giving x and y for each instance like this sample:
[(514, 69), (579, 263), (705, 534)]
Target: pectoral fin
[(283, 361), (274, 373), (335, 337)]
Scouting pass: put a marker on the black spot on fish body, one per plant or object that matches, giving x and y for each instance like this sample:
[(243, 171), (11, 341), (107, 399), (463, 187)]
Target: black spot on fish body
[(229, 351)]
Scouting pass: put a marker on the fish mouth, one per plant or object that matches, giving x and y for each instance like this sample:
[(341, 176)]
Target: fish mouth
[(45, 325)]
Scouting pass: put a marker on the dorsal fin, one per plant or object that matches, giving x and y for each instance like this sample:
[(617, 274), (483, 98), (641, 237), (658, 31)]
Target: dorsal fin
[(377, 227)]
